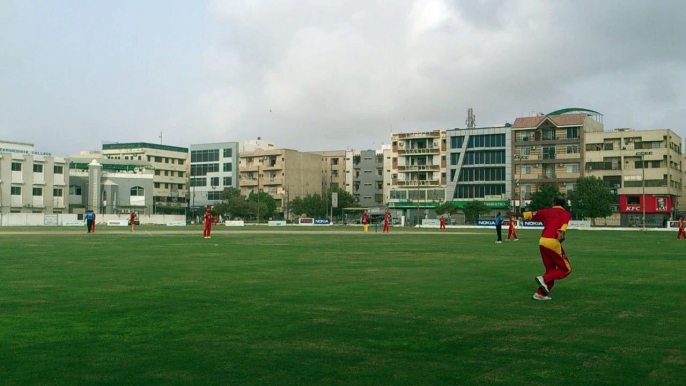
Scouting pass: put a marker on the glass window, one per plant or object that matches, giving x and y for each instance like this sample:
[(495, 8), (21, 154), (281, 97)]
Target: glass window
[(15, 190), (37, 168), (228, 153), (214, 181), (157, 185), (137, 191), (74, 190), (16, 167), (58, 169), (572, 168), (227, 167), (57, 192), (227, 181), (37, 192)]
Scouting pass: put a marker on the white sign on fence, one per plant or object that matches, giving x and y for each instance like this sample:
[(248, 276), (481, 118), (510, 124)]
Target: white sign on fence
[(176, 224), (234, 223), (117, 223), (277, 223), (73, 223)]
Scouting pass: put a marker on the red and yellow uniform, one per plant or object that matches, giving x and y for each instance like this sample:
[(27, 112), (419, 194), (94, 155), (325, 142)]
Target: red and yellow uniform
[(132, 220), (681, 229), (442, 223), (555, 260), (365, 221), (511, 231), (208, 225), (386, 227)]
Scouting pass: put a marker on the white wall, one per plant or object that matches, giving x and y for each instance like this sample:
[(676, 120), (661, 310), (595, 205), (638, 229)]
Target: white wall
[(38, 219)]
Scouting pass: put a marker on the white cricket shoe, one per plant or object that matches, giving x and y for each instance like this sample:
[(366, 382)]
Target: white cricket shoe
[(516, 239), (498, 242), (542, 285), (540, 297)]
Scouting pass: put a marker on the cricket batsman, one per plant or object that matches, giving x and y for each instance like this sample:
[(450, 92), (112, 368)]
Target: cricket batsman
[(557, 267)]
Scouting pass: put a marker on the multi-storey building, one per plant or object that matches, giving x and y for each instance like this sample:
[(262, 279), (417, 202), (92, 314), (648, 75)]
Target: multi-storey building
[(254, 144), (214, 167), (418, 173), (333, 169), (479, 166), (637, 165), (31, 181), (283, 173), (365, 177), (110, 186), (549, 150), (171, 165)]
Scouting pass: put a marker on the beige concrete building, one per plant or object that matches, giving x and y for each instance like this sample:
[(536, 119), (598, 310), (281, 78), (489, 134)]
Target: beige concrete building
[(549, 150), (283, 173), (333, 169), (418, 172), (364, 178), (638, 164), (171, 165), (32, 181)]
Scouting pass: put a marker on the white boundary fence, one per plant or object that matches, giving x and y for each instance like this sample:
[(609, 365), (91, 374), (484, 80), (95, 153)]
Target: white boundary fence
[(39, 219)]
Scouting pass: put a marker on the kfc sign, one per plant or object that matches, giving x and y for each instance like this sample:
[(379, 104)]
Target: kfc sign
[(633, 208), (653, 203)]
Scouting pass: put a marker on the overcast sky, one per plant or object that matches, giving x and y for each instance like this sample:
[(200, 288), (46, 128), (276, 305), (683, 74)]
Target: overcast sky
[(328, 74)]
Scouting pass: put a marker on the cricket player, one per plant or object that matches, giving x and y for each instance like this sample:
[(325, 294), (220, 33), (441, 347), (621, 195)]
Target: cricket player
[(499, 228), (681, 228), (365, 221), (511, 230), (557, 267), (90, 221), (386, 223), (208, 224), (132, 220), (442, 219)]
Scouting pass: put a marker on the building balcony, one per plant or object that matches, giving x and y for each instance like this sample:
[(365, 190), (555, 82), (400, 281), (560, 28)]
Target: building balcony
[(427, 134), (428, 150), (272, 181), (248, 182), (419, 183), (277, 166), (415, 168), (251, 168)]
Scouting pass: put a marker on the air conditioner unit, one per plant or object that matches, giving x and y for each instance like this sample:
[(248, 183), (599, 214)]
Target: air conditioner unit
[(533, 147), (560, 165), (401, 144), (618, 185), (563, 184), (538, 165), (435, 144)]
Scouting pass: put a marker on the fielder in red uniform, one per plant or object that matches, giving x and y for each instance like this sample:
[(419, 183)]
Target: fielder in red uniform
[(442, 223), (386, 223), (208, 224), (93, 226), (132, 220), (681, 228), (365, 221), (216, 220), (557, 267), (511, 231)]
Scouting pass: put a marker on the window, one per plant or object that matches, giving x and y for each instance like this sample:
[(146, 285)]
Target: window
[(16, 167), (572, 149), (205, 155), (58, 169), (157, 185), (181, 162), (198, 182), (137, 191), (180, 174), (166, 172), (526, 169), (74, 190), (214, 181), (158, 159), (456, 142), (548, 152), (57, 192), (15, 190), (633, 200), (37, 168), (157, 172), (166, 160), (525, 150), (572, 132), (334, 161), (166, 186), (214, 195), (454, 158), (37, 192), (227, 181), (572, 168), (228, 166), (228, 153), (179, 186), (203, 169)]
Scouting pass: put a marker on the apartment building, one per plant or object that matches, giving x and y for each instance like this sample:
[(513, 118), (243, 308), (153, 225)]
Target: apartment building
[(31, 181), (283, 173), (333, 169), (171, 169), (480, 166), (110, 186), (365, 177), (634, 163), (418, 173), (549, 150), (214, 167)]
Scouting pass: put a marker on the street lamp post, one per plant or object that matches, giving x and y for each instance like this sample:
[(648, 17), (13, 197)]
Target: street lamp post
[(643, 183), (258, 193)]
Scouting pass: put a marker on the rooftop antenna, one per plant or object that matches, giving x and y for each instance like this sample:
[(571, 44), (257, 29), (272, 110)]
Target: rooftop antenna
[(160, 137), (471, 119)]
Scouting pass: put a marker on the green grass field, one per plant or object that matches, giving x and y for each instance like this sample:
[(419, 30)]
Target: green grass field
[(293, 309)]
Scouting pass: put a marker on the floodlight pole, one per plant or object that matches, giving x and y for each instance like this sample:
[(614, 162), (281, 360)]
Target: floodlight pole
[(643, 183)]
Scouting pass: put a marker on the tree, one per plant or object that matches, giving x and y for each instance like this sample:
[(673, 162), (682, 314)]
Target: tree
[(544, 197), (345, 200), (591, 199), (472, 210), (312, 205), (446, 207), (233, 204), (265, 206)]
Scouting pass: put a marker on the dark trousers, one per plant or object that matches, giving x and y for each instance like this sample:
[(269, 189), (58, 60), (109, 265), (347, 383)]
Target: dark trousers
[(89, 224), (499, 232)]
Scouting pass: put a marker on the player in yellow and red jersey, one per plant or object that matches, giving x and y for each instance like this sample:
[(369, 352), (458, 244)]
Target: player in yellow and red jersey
[(557, 267), (681, 228)]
